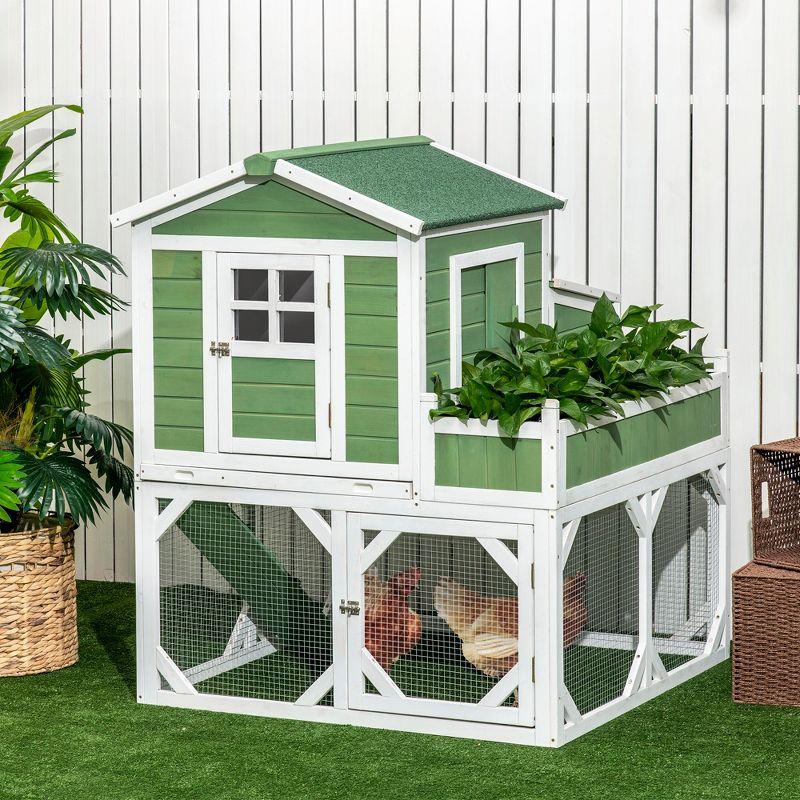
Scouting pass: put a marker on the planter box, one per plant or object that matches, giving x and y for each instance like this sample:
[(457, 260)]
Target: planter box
[(556, 461)]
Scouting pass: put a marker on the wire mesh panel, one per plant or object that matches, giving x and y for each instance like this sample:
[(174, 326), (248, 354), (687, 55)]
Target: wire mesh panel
[(686, 553), (440, 630), (601, 601), (244, 600)]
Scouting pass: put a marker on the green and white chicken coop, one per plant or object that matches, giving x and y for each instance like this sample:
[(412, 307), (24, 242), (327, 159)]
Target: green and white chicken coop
[(311, 545)]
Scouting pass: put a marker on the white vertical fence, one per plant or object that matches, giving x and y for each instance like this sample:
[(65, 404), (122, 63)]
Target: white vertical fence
[(671, 125)]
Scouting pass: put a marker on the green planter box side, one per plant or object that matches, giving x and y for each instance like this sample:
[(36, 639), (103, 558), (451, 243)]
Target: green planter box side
[(488, 462), (620, 445), (273, 210), (178, 349)]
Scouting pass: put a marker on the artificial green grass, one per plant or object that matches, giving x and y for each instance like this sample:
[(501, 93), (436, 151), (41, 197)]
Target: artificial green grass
[(79, 733)]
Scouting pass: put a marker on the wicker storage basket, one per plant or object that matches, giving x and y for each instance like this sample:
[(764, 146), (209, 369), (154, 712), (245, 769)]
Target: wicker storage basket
[(766, 635), (775, 494), (38, 630)]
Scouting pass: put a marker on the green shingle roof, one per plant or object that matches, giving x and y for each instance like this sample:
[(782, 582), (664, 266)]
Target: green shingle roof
[(410, 175)]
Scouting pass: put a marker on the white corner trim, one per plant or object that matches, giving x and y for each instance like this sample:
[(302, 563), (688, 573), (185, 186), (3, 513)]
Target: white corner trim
[(508, 175), (214, 180), (341, 194)]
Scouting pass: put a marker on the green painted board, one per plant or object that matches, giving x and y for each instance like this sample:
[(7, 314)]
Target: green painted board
[(273, 210), (371, 359), (178, 382), (598, 452), (570, 319), (184, 264), (273, 398), (488, 462), (175, 438)]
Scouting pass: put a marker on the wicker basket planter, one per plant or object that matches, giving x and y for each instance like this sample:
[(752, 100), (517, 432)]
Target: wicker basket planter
[(38, 630)]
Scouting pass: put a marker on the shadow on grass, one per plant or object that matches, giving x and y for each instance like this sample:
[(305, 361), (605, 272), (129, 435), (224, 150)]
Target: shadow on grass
[(105, 608)]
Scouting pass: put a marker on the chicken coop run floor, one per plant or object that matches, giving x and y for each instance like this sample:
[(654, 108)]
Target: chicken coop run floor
[(91, 739)]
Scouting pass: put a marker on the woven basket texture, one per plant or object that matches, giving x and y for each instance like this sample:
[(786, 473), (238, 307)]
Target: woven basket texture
[(38, 624), (766, 635), (775, 493)]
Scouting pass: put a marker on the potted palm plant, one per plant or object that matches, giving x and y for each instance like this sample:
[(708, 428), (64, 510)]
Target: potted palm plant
[(56, 458)]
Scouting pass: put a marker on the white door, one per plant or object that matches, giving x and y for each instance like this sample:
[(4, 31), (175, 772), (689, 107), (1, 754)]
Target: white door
[(440, 618), (273, 343)]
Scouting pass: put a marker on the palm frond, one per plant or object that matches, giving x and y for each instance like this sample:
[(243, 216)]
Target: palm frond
[(11, 325), (11, 478), (88, 300), (39, 346), (79, 359), (98, 433), (57, 484), (118, 476), (18, 121), (56, 267), (10, 178), (33, 215)]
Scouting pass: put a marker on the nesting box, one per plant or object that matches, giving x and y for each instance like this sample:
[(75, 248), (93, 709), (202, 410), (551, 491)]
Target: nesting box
[(311, 545)]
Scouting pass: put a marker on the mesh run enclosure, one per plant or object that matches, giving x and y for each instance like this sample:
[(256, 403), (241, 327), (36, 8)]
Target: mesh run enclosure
[(601, 585), (244, 600), (686, 553), (775, 495), (441, 617)]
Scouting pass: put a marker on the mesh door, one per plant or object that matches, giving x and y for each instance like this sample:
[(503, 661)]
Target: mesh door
[(686, 554), (244, 593), (601, 601), (441, 618)]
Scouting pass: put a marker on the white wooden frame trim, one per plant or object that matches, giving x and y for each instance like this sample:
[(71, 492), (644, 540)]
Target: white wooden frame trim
[(469, 260), (318, 352), (583, 290), (265, 244)]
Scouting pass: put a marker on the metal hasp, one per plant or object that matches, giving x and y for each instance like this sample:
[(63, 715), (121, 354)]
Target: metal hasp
[(220, 349), (351, 608)]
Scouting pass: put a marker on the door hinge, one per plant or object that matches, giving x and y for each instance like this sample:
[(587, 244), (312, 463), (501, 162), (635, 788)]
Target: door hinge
[(351, 608), (533, 576), (329, 293), (330, 415), (220, 349)]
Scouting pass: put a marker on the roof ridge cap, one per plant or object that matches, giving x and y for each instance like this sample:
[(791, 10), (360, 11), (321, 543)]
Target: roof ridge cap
[(263, 164)]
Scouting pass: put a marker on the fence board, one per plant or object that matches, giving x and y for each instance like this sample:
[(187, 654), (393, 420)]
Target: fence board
[(469, 79), (307, 119), (245, 78), (371, 108), (340, 116), (744, 254), (673, 164), (637, 207), (403, 68), (436, 70), (779, 396)]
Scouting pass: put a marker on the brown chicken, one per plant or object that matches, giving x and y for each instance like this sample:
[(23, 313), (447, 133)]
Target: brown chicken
[(487, 626), (391, 628)]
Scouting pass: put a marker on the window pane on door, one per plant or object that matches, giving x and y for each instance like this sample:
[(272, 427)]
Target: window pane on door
[(251, 326), (297, 286), (297, 326), (250, 284)]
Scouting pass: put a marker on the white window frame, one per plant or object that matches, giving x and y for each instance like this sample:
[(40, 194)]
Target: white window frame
[(319, 351), (478, 258)]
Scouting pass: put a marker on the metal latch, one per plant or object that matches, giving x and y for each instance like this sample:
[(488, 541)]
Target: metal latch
[(220, 349), (351, 608)]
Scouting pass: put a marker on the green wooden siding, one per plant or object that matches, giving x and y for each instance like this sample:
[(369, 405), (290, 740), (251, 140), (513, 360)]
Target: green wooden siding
[(271, 209), (570, 319), (370, 301), (273, 398), (602, 451), (438, 251), (178, 350), (488, 462)]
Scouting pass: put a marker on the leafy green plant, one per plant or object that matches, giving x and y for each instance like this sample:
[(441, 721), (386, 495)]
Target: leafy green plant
[(56, 458), (589, 371)]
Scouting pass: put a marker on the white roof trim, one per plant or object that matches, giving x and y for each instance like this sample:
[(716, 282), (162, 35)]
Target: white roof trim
[(178, 195), (499, 172), (347, 197)]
